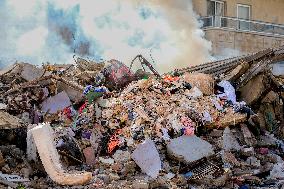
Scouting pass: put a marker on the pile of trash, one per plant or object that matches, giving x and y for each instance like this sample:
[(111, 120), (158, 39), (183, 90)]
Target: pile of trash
[(101, 125)]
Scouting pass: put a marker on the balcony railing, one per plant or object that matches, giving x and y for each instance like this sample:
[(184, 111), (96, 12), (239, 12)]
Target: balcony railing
[(242, 25)]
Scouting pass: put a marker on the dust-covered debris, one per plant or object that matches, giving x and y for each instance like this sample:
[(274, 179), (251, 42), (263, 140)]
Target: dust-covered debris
[(99, 128)]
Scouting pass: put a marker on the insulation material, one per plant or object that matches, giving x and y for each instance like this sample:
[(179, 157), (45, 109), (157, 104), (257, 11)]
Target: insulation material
[(43, 138)]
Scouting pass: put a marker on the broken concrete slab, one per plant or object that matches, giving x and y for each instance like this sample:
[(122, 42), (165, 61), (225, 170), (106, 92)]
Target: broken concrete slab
[(8, 121), (231, 119), (31, 72), (270, 97), (147, 158), (237, 72), (14, 69), (7, 183), (85, 65), (74, 94), (56, 103), (248, 136), (189, 148), (229, 140), (252, 91), (267, 140)]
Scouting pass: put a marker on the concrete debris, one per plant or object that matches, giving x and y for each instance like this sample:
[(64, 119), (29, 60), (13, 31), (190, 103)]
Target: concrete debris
[(194, 93), (254, 162), (8, 121), (90, 157), (107, 161), (278, 171), (252, 91), (56, 103), (140, 184), (202, 81), (74, 94), (248, 136), (229, 141), (189, 148), (13, 178), (122, 156), (3, 106), (110, 127), (8, 183), (30, 72), (147, 158), (237, 72), (230, 158)]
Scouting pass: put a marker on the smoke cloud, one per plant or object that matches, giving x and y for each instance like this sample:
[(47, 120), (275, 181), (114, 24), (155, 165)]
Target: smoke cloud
[(38, 31)]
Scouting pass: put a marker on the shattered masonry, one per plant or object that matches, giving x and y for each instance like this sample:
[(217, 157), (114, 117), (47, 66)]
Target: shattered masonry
[(103, 125)]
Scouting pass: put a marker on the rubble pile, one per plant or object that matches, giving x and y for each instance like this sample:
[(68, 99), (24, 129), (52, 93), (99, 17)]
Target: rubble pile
[(100, 125)]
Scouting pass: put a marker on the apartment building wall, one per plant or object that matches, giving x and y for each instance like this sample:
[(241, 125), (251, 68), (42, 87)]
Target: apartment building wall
[(243, 42), (271, 11)]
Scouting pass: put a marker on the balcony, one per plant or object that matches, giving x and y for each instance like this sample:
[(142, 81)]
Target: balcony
[(236, 24)]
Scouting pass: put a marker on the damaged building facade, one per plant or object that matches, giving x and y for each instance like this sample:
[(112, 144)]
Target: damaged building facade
[(241, 26)]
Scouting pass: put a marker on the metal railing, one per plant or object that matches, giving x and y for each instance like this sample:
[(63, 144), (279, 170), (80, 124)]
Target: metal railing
[(242, 25)]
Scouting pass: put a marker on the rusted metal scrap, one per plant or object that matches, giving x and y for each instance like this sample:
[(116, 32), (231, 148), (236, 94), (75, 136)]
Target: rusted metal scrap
[(145, 62)]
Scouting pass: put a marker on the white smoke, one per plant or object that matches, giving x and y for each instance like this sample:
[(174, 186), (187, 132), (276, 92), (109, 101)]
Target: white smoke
[(38, 31), (227, 53)]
